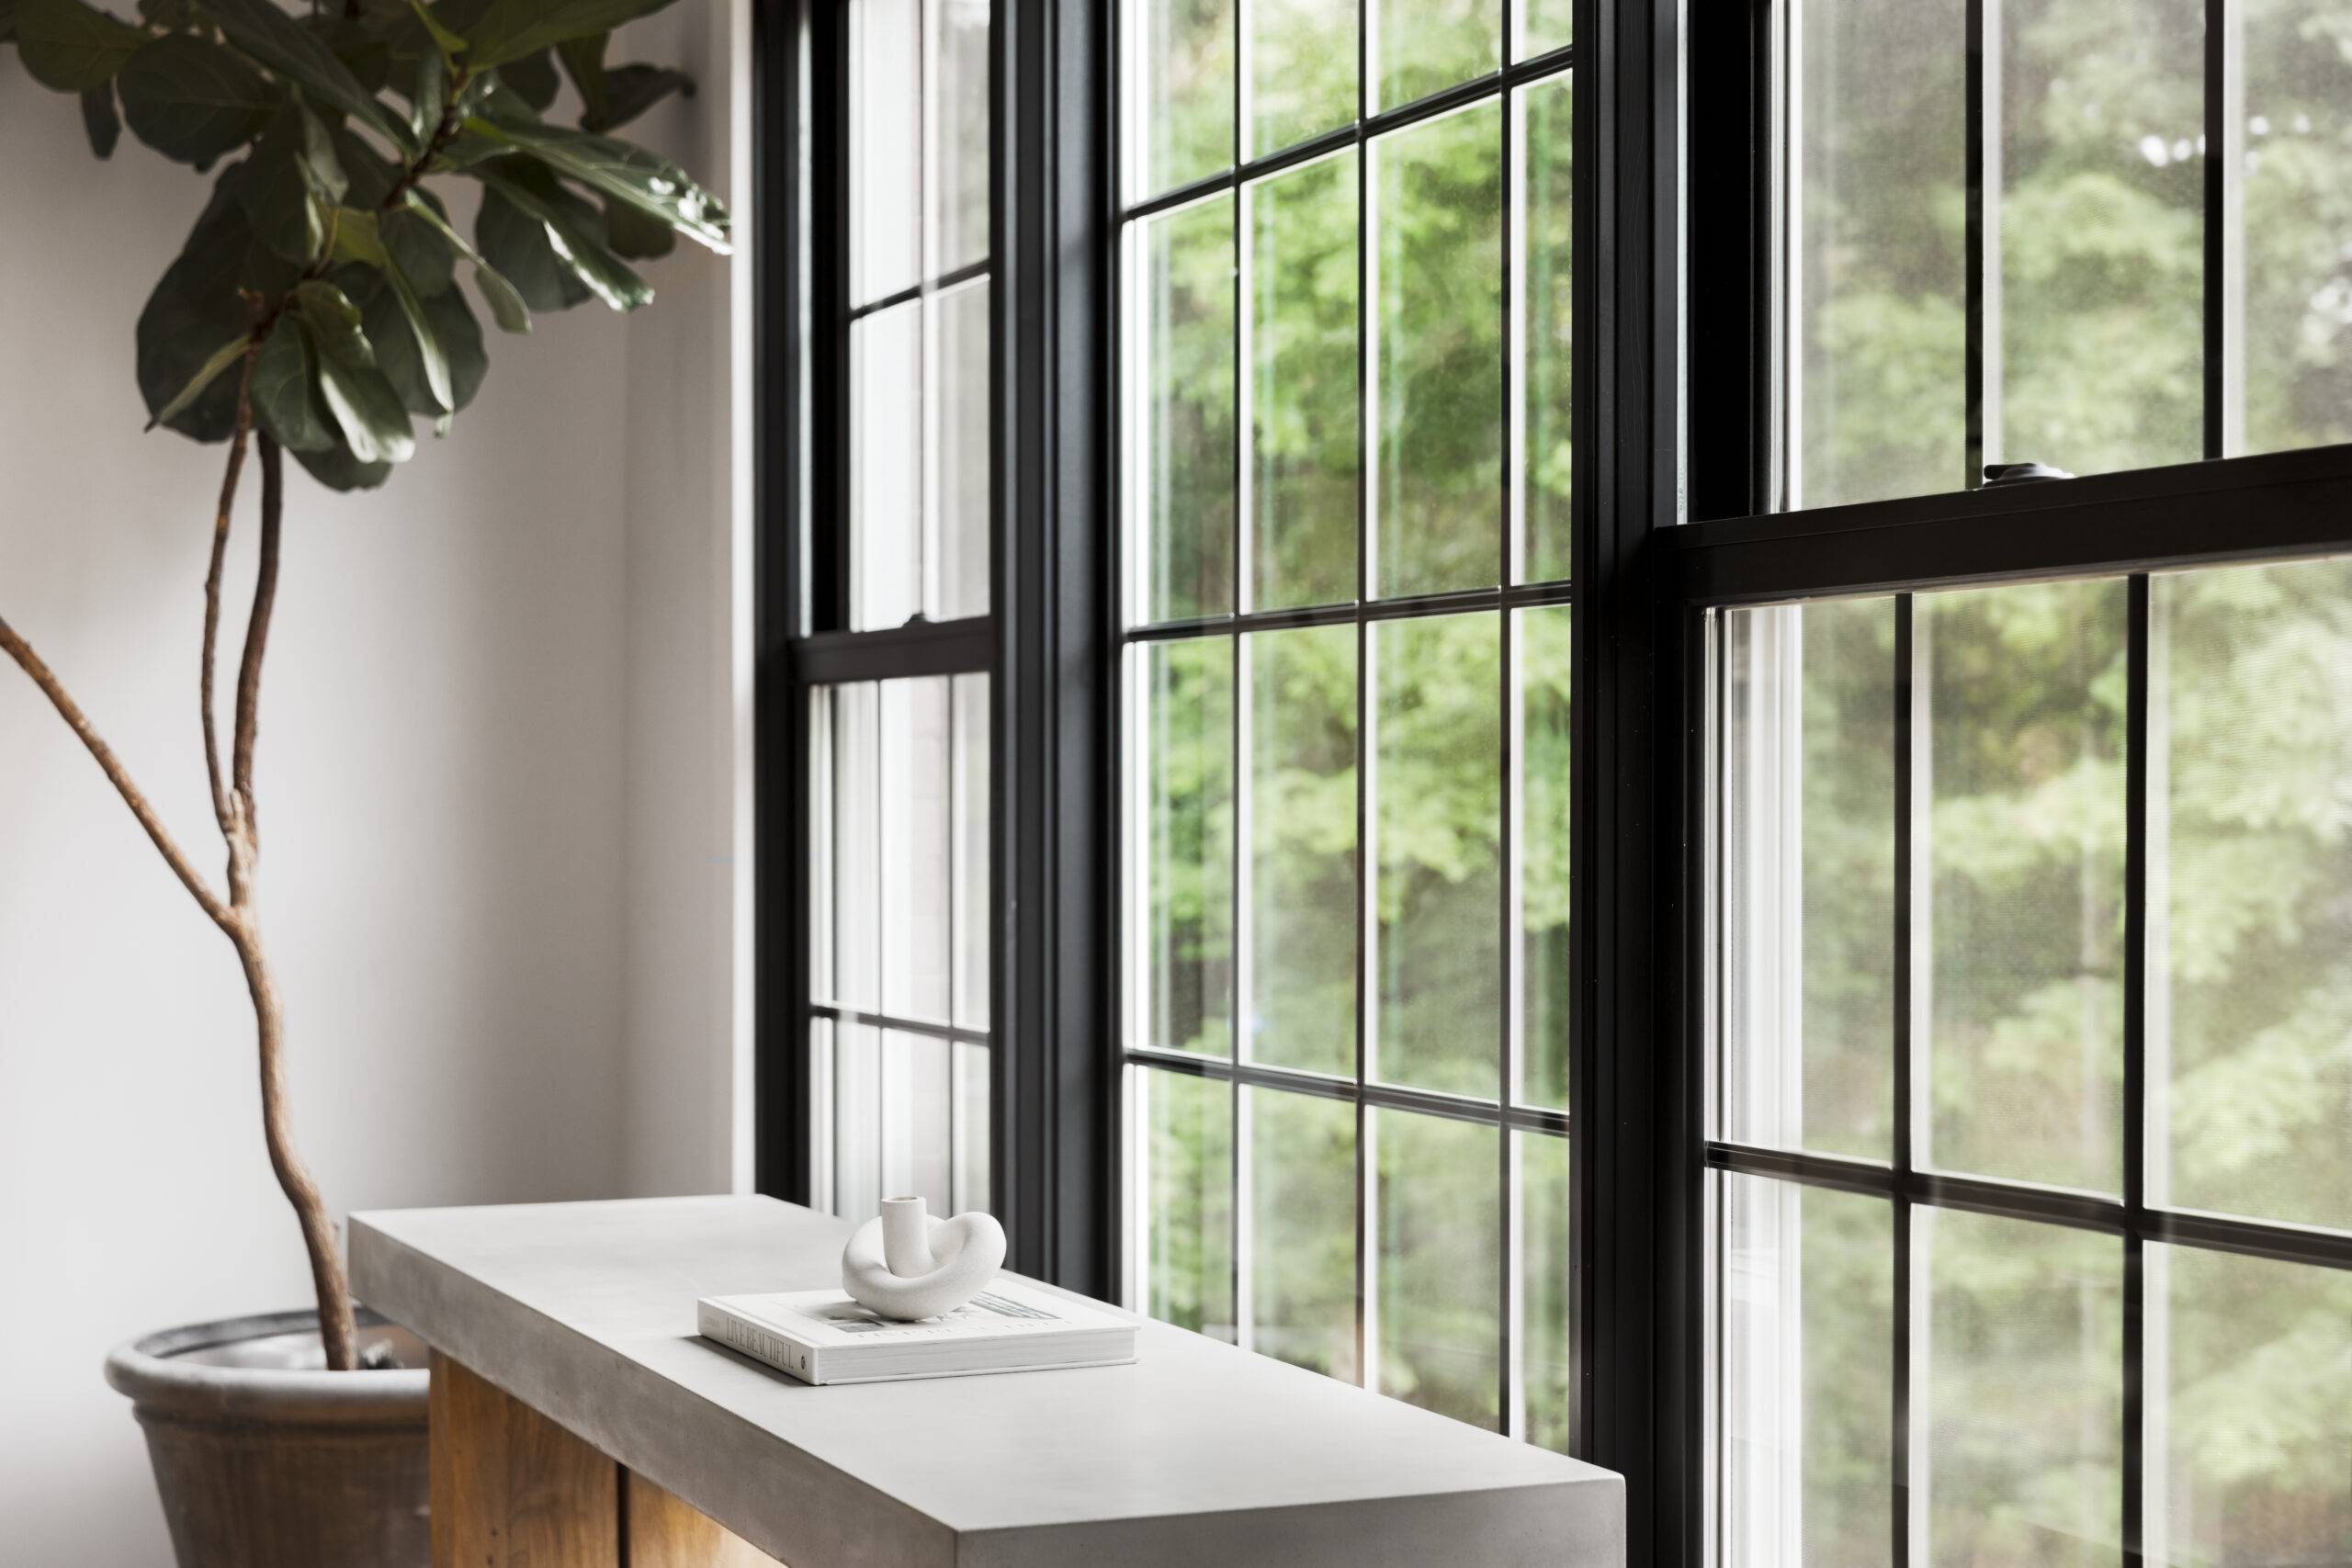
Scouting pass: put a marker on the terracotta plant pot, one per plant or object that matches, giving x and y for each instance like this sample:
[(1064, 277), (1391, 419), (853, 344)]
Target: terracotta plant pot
[(266, 1459)]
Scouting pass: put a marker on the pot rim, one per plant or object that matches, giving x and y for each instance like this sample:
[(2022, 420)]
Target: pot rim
[(154, 1370)]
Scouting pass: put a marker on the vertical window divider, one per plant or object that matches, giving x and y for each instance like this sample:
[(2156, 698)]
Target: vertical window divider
[(2135, 1076), (2224, 302), (1367, 738), (1908, 946), (1984, 159), (1238, 591), (1509, 1330)]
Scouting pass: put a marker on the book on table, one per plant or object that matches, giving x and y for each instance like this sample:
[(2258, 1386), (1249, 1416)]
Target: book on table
[(823, 1336)]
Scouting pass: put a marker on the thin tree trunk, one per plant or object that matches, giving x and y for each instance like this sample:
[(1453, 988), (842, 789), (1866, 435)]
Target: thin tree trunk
[(336, 1329)]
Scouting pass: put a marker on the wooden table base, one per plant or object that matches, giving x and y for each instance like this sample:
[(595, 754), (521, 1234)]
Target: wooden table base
[(511, 1489)]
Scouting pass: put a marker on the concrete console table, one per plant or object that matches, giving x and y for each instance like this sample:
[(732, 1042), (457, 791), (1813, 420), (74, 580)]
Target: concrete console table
[(578, 1422)]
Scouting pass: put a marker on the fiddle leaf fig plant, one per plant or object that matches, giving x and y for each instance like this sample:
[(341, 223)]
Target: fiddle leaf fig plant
[(320, 305)]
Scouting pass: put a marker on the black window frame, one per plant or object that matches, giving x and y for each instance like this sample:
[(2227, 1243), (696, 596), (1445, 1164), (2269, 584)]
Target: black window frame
[(1673, 387), (1047, 1131)]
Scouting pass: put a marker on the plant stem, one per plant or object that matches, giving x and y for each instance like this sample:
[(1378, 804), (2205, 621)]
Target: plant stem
[(337, 1333), (213, 774)]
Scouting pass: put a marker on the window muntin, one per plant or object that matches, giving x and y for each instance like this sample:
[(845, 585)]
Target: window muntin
[(2106, 234), (1345, 692), (1955, 1283)]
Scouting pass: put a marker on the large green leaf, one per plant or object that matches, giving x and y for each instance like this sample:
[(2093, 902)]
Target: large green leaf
[(575, 232), (73, 47), (211, 370), (291, 179), (642, 178), (286, 391), (301, 58), (374, 423), (512, 29), (583, 61), (199, 303), (421, 254), (100, 120), (531, 79), (337, 470), (630, 90), (398, 331), (637, 234), (190, 99), (506, 303)]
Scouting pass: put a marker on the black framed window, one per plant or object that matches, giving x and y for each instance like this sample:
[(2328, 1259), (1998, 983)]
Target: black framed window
[(1995, 943), (890, 691), (1344, 673)]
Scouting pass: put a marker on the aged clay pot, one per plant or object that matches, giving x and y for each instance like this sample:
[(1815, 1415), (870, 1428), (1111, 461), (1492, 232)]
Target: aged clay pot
[(266, 1459)]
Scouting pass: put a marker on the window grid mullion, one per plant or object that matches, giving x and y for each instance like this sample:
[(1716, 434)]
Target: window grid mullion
[(1910, 931), (2136, 827), (1367, 449), (1238, 999)]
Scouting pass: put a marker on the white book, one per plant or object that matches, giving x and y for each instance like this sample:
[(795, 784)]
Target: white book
[(822, 1336)]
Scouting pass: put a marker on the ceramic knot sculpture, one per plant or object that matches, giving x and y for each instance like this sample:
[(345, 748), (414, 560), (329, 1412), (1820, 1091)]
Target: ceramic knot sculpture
[(904, 1264)]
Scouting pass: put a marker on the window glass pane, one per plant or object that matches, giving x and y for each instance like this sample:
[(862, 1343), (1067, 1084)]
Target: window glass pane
[(1184, 1186), (886, 148), (1878, 278), (1302, 1006), (1544, 1379), (1179, 91), (2025, 692), (2297, 158), (959, 66), (915, 1114), (1543, 227), (885, 356), (1420, 47), (2101, 233), (972, 1178), (1542, 831), (1179, 412), (958, 390), (2250, 1412), (1438, 391), (1302, 70), (857, 1120), (1808, 878), (1544, 26), (974, 933), (2019, 1397), (2251, 891), (1179, 782), (853, 831), (915, 831), (1301, 285), (1440, 1265), (1802, 1341), (1437, 816), (1303, 1227)]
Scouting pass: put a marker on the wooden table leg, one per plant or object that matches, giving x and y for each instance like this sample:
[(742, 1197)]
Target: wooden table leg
[(511, 1489)]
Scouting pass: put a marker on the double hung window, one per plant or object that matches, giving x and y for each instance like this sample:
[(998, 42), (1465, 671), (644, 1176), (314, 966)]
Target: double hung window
[(2021, 986)]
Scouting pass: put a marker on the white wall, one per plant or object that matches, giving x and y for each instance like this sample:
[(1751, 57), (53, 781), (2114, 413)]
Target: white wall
[(497, 785)]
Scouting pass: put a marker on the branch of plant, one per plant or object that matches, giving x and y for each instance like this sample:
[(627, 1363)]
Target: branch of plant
[(219, 781), (116, 774)]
